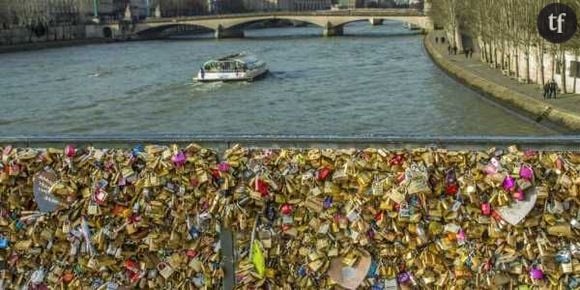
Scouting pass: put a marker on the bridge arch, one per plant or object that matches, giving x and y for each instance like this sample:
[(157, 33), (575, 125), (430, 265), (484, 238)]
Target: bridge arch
[(152, 28), (405, 20), (241, 22)]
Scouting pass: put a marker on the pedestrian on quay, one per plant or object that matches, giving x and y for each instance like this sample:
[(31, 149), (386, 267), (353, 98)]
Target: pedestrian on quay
[(554, 88), (546, 90), (436, 39), (449, 49), (455, 50), (442, 39)]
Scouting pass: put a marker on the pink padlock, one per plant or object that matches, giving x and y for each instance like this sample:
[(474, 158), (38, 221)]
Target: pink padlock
[(519, 195), (460, 236), (178, 159), (536, 273), (486, 208), (223, 167), (509, 183), (70, 151), (526, 172)]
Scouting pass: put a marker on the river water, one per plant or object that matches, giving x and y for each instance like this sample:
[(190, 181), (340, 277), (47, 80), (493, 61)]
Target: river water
[(373, 80)]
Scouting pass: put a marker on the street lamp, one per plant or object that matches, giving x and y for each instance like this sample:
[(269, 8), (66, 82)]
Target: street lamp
[(148, 9), (95, 8)]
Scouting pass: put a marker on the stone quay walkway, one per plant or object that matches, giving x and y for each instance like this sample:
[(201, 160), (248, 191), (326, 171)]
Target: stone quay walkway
[(564, 110)]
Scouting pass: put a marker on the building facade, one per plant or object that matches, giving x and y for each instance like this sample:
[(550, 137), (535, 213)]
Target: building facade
[(139, 8), (311, 5), (224, 6), (351, 4), (268, 5)]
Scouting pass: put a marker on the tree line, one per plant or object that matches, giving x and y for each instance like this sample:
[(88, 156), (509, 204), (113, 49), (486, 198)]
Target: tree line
[(506, 31)]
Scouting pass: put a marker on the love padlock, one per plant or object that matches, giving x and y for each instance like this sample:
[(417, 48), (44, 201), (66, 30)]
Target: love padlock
[(165, 270), (3, 242)]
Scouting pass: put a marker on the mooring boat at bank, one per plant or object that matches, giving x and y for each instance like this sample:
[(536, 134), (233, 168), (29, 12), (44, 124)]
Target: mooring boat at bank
[(235, 67)]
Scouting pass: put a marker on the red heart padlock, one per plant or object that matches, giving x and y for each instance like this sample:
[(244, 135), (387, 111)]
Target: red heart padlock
[(323, 174), (286, 209)]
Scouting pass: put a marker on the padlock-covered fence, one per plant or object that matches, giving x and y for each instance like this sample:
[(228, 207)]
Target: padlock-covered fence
[(88, 217)]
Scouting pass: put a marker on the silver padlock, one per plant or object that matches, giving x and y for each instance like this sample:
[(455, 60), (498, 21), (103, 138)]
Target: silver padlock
[(74, 248), (111, 250), (152, 274)]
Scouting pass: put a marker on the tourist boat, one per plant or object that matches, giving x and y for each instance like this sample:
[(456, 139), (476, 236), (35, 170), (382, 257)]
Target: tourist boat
[(235, 67)]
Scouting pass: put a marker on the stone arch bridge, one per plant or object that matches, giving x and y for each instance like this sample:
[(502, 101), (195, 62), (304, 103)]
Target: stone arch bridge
[(232, 25)]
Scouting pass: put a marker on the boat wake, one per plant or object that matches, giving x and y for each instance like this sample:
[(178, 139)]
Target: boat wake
[(100, 74), (206, 87)]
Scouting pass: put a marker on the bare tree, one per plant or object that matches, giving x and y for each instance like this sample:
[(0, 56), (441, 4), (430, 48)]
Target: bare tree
[(32, 14), (506, 32)]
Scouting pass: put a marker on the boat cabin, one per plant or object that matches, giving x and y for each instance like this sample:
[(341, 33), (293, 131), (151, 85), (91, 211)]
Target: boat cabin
[(232, 63)]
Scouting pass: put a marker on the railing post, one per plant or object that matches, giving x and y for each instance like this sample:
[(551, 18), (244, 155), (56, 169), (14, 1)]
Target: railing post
[(228, 258)]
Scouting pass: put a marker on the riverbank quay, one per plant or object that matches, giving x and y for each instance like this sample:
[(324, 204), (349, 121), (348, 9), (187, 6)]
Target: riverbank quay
[(563, 111), (170, 210), (51, 44)]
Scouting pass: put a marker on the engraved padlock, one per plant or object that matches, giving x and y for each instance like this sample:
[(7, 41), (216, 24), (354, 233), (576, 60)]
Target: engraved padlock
[(165, 270)]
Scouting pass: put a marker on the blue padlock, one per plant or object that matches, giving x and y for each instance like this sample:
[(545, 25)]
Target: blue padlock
[(194, 233), (373, 269), (327, 202), (137, 150), (19, 225), (3, 242)]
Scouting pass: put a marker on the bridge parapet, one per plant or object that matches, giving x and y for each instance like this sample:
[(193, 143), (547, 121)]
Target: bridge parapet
[(357, 12), (220, 142), (332, 22)]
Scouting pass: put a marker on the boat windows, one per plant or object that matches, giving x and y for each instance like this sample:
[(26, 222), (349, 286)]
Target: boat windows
[(225, 66)]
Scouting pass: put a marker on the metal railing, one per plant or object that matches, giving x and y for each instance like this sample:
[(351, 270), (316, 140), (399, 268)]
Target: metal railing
[(221, 142)]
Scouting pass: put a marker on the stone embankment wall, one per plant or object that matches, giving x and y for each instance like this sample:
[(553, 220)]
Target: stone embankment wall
[(21, 35), (534, 107)]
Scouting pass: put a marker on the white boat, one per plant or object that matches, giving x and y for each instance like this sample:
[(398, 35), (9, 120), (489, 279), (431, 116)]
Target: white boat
[(235, 67)]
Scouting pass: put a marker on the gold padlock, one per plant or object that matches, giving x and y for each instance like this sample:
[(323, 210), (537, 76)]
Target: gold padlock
[(567, 268), (165, 270)]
